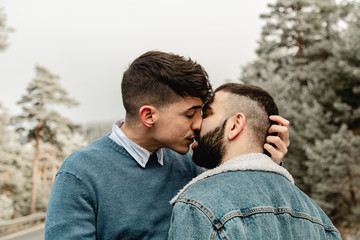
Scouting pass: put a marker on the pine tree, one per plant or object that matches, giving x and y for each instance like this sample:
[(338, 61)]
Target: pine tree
[(4, 30), (40, 121), (336, 174), (338, 189), (308, 64), (50, 159), (347, 68), (14, 165)]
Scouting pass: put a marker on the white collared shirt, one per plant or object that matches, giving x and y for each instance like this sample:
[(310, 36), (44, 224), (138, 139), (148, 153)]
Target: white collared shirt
[(141, 155)]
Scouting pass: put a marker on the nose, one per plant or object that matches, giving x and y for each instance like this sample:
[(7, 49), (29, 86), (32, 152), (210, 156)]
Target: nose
[(196, 125)]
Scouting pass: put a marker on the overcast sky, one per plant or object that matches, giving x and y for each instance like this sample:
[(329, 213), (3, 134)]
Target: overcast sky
[(90, 43)]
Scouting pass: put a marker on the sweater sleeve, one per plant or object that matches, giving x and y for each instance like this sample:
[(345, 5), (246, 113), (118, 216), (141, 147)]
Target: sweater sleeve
[(70, 214)]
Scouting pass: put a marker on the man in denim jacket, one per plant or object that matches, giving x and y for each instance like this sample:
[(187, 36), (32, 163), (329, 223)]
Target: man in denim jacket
[(245, 195)]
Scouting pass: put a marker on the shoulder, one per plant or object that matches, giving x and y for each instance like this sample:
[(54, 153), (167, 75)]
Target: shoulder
[(313, 209), (207, 187), (212, 186), (92, 156)]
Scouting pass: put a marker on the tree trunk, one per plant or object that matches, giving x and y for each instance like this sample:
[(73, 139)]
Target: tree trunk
[(54, 171), (300, 43), (35, 169), (44, 175)]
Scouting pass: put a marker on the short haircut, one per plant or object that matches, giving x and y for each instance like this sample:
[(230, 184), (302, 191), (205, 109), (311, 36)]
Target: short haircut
[(159, 79), (257, 105)]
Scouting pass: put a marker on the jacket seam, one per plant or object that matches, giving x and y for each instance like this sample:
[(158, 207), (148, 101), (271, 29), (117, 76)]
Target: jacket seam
[(275, 211), (222, 234), (212, 234), (219, 224), (202, 208), (217, 228)]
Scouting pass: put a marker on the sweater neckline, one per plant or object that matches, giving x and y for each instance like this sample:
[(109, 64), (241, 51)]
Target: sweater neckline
[(114, 145)]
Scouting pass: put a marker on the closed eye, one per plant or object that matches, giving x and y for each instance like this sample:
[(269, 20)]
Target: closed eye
[(190, 113), (205, 111)]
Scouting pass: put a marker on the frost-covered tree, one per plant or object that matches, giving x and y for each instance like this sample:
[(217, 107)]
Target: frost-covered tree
[(309, 63), (40, 121), (4, 30), (347, 69), (334, 168), (15, 164), (50, 159), (338, 190)]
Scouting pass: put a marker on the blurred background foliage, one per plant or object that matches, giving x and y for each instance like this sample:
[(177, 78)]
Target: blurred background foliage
[(308, 58)]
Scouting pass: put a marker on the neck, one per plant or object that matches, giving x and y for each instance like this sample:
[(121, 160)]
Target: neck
[(238, 148), (140, 135)]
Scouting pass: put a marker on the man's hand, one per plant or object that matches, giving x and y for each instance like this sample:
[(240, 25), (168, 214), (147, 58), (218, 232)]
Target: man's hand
[(281, 141)]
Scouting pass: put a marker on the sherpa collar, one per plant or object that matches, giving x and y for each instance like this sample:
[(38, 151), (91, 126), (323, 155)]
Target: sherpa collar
[(252, 161)]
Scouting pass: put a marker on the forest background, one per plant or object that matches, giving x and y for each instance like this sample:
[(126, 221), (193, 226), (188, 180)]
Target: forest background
[(307, 57)]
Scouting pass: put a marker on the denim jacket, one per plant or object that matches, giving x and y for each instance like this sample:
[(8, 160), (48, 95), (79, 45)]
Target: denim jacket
[(248, 197)]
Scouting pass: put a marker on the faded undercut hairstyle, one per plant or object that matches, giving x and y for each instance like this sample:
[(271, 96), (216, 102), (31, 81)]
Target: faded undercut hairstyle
[(257, 105), (159, 79)]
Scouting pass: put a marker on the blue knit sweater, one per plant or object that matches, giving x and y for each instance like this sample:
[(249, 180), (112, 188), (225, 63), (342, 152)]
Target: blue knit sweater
[(100, 192)]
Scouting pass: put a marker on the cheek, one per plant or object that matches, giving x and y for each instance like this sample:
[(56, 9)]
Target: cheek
[(180, 128), (205, 127), (175, 128), (209, 124)]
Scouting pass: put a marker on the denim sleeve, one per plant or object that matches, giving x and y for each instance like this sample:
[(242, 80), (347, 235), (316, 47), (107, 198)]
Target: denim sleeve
[(188, 222), (70, 214)]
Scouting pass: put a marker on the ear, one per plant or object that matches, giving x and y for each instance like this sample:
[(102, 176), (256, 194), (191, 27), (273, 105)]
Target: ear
[(238, 124), (147, 115)]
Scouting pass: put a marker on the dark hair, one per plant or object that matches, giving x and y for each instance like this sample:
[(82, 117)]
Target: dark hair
[(158, 79), (257, 114), (255, 93)]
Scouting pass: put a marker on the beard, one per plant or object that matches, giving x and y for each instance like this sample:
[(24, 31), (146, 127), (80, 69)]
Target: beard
[(211, 148)]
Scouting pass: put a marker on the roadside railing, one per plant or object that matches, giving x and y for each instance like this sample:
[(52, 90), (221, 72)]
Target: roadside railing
[(18, 224)]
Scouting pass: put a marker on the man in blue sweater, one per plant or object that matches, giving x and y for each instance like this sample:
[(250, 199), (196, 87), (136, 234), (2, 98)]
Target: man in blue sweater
[(119, 186), (245, 195)]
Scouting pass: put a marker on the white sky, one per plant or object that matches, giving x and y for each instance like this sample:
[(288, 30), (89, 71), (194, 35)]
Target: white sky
[(90, 43)]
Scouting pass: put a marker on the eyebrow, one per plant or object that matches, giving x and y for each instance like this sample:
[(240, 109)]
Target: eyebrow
[(195, 107)]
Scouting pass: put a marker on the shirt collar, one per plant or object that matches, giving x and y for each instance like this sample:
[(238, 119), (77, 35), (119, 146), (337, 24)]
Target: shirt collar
[(141, 155)]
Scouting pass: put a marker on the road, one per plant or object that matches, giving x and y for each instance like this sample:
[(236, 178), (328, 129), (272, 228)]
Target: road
[(36, 233)]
